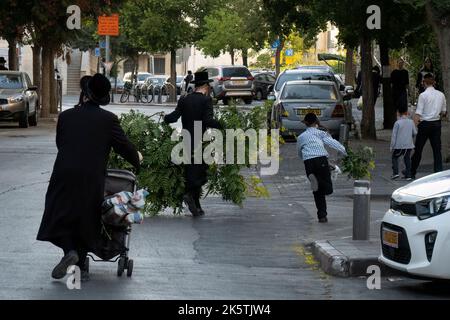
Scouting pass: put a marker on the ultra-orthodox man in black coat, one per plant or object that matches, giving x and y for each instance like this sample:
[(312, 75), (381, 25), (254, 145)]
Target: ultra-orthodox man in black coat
[(84, 139), (194, 107)]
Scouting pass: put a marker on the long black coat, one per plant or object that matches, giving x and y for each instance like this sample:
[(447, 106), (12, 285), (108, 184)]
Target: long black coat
[(194, 107), (84, 137)]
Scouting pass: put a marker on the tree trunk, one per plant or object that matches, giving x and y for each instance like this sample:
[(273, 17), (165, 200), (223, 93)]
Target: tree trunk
[(45, 83), (349, 67), (441, 27), (173, 75), (278, 58), (368, 130), (389, 111), (245, 57), (13, 59), (232, 56), (53, 84), (37, 67)]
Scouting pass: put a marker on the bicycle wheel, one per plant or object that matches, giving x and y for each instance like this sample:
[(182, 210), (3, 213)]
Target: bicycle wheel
[(125, 97), (144, 95)]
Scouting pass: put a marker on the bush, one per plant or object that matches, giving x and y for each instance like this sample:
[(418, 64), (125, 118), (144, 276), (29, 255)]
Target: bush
[(359, 165), (165, 180)]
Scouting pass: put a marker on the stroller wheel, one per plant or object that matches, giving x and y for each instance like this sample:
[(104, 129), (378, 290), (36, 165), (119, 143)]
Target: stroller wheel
[(121, 267), (86, 264), (130, 268)]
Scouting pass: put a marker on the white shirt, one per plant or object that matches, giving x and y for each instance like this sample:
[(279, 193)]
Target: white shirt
[(431, 104)]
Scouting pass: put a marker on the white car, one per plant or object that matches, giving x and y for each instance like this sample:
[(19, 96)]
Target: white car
[(415, 232)]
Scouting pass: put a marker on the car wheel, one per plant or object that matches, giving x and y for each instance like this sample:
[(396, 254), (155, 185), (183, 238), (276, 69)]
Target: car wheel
[(23, 120), (259, 95), (33, 120)]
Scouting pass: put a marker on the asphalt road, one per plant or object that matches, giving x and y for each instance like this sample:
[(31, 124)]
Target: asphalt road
[(257, 252)]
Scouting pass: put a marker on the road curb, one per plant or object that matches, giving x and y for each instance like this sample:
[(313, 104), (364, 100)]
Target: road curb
[(342, 264)]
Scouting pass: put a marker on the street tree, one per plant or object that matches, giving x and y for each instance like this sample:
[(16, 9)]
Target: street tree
[(164, 26)]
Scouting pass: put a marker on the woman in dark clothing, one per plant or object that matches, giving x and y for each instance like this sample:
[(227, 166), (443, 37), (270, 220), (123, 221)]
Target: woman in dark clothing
[(84, 138), (197, 106), (400, 84), (427, 68)]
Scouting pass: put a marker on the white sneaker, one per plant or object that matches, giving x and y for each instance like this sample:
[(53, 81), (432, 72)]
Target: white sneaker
[(314, 182)]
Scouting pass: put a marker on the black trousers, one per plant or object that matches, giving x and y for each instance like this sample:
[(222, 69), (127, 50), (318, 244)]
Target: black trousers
[(321, 169), (428, 130), (406, 154)]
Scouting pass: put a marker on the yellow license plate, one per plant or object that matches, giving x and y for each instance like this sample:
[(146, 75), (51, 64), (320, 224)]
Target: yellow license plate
[(390, 238), (238, 82), (304, 112)]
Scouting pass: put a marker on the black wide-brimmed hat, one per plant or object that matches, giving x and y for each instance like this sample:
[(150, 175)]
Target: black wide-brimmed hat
[(98, 88), (201, 78), (2, 60)]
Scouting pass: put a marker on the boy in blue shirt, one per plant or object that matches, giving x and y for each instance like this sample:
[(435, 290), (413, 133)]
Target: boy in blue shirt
[(311, 148)]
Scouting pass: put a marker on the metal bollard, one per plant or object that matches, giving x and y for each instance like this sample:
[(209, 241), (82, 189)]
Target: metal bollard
[(160, 96), (343, 134), (361, 210)]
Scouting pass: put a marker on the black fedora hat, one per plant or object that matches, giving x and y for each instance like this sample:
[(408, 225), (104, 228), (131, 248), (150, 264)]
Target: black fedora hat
[(310, 119), (98, 88), (201, 78)]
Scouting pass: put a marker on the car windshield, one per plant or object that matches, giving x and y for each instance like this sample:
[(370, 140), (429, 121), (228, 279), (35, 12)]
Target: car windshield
[(157, 80), (309, 92), (236, 72), (302, 76), (10, 81), (142, 77)]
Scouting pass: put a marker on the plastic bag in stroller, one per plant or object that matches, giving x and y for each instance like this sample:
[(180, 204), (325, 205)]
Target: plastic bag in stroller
[(114, 241)]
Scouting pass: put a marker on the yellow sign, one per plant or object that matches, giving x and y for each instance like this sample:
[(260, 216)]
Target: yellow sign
[(108, 25)]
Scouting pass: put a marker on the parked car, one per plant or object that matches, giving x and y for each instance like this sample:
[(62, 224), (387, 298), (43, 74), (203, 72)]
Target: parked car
[(262, 83), (309, 73), (119, 86), (298, 98), (19, 100), (415, 231), (230, 82), (140, 77)]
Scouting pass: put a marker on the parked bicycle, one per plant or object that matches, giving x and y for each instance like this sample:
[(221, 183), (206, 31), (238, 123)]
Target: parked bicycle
[(130, 90)]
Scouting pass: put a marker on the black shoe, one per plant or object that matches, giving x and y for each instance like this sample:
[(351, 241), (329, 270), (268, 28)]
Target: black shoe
[(323, 220), (70, 259), (189, 200)]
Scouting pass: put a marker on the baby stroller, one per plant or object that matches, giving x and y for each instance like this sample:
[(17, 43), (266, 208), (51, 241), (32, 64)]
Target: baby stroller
[(114, 242)]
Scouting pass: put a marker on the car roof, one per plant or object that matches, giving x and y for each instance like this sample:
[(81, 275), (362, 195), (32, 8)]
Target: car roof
[(307, 70), (225, 66), (331, 83), (12, 72)]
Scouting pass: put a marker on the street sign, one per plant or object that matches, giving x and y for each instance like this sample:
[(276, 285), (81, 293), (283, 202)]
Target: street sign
[(289, 52), (276, 44), (103, 44), (97, 52), (108, 25)]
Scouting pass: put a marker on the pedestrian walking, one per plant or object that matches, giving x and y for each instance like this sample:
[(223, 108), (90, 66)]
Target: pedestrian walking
[(196, 107), (400, 85), (187, 80), (376, 82), (431, 107), (311, 149), (427, 68), (84, 138), (3, 64), (402, 144)]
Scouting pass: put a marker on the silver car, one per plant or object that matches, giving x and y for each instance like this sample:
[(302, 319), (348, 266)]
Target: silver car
[(298, 98), (18, 99), (231, 82)]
